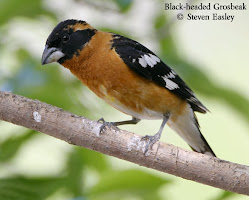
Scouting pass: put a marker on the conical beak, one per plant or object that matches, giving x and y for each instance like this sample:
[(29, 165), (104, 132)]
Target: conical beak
[(51, 54)]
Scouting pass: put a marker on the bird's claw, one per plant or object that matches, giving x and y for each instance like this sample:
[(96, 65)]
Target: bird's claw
[(151, 140), (105, 124)]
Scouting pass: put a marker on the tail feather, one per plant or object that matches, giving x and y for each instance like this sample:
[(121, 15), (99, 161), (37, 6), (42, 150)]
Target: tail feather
[(187, 127), (208, 149)]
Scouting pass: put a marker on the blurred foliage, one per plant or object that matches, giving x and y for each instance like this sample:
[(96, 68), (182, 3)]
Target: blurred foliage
[(224, 195), (144, 185), (124, 5), (27, 8), (23, 188), (10, 147), (48, 84)]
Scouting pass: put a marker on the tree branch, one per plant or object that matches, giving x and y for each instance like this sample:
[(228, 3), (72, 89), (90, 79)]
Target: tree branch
[(83, 132)]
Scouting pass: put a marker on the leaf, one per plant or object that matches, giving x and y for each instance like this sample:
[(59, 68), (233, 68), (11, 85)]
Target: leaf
[(124, 5), (93, 159), (79, 198), (21, 188), (224, 195), (78, 160), (74, 173), (11, 146), (26, 8), (128, 182)]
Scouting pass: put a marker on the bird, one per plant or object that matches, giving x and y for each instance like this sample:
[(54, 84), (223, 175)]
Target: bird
[(129, 77)]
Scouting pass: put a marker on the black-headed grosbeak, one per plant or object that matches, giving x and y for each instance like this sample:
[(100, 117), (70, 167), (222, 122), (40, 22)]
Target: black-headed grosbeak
[(129, 77)]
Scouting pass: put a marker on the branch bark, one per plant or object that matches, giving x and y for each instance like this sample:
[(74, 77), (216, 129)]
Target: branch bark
[(125, 145)]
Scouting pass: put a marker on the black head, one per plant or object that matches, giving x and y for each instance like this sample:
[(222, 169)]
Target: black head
[(66, 40)]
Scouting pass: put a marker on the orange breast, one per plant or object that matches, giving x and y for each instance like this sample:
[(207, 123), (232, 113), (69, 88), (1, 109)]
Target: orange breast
[(101, 69)]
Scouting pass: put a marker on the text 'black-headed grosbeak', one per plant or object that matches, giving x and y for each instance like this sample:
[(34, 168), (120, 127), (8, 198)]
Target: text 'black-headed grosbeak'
[(129, 77)]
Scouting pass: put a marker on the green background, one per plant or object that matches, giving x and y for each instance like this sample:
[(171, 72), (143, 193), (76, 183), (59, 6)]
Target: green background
[(211, 56)]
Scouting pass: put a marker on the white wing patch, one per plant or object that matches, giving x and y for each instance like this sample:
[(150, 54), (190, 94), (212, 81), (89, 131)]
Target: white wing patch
[(155, 58), (171, 85), (170, 75), (148, 59), (142, 62)]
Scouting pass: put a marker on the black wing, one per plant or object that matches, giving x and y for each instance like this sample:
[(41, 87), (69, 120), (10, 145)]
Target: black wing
[(145, 63)]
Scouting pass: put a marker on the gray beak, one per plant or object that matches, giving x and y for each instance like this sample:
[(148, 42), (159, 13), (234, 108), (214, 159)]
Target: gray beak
[(51, 54)]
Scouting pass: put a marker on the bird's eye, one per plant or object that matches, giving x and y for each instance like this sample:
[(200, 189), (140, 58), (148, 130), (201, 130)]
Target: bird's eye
[(65, 38)]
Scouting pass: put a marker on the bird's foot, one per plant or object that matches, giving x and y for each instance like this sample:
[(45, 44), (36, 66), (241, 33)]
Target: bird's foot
[(105, 125), (151, 140)]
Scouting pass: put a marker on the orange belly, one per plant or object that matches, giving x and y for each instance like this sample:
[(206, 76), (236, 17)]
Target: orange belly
[(105, 73)]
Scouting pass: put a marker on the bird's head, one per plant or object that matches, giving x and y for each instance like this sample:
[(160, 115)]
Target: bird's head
[(66, 40)]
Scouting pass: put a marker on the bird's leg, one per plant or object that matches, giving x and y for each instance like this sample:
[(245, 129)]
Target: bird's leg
[(110, 124), (154, 138)]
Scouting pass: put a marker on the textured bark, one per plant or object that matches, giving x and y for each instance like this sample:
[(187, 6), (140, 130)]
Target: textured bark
[(83, 132)]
